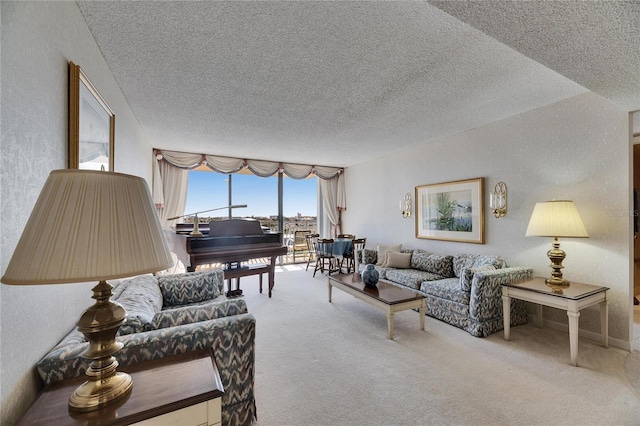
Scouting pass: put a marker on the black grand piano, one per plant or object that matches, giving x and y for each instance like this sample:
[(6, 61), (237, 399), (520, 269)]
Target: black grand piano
[(229, 242)]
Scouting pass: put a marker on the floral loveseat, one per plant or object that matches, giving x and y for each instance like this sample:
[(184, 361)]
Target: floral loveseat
[(174, 314), (463, 290)]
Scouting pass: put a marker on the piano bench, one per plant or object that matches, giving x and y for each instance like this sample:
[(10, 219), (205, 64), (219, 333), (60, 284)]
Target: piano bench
[(244, 271)]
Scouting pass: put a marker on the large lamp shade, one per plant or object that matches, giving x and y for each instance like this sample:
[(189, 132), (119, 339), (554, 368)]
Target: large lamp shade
[(88, 226), (556, 219)]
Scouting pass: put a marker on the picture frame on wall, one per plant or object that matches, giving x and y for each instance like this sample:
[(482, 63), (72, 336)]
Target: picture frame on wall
[(451, 211), (91, 124)]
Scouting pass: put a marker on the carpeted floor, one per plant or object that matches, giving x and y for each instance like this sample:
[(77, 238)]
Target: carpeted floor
[(331, 364)]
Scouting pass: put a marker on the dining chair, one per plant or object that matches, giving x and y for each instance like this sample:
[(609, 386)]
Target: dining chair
[(358, 245), (300, 243), (324, 257), (311, 246)]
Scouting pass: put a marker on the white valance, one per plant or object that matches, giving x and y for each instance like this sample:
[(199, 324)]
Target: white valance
[(224, 164), (262, 168)]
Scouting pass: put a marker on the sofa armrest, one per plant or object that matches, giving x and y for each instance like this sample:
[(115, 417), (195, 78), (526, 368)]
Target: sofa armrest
[(232, 339), (172, 317), (486, 291)]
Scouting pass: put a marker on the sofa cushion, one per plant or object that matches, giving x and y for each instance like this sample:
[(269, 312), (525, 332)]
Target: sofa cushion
[(383, 249), (448, 289), (141, 299), (410, 277), (397, 260), (434, 263), (192, 287), (466, 276)]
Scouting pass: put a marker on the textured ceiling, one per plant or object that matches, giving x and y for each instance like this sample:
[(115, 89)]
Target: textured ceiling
[(337, 83)]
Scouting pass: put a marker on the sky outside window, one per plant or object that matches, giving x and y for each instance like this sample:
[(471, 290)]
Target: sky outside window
[(209, 190)]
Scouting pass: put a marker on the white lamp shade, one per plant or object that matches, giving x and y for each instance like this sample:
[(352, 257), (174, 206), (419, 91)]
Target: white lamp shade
[(556, 219), (89, 226)]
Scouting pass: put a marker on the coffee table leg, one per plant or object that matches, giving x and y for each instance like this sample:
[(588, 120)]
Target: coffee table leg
[(422, 314), (390, 323)]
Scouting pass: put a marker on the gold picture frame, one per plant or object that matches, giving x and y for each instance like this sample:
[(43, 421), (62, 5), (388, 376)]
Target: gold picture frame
[(91, 124), (451, 211)]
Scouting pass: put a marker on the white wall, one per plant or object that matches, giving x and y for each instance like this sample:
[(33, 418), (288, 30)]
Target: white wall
[(38, 40), (578, 149)]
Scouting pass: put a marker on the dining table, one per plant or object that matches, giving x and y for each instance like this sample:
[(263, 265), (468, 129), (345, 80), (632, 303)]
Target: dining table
[(341, 246)]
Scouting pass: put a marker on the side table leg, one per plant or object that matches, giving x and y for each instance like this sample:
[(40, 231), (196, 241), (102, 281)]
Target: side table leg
[(506, 314), (539, 320), (604, 322), (573, 336)]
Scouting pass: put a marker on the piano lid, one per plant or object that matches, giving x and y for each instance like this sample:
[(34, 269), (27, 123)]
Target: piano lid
[(234, 227), (226, 227)]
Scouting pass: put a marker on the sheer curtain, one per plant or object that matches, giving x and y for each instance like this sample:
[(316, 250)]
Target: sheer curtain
[(170, 180), (334, 201), (174, 192)]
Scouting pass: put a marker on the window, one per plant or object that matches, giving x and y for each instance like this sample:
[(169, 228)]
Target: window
[(209, 190)]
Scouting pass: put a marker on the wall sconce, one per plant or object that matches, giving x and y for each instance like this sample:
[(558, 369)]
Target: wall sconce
[(498, 200), (405, 205)]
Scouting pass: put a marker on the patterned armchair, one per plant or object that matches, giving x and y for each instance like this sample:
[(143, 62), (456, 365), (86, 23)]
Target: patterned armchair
[(170, 315)]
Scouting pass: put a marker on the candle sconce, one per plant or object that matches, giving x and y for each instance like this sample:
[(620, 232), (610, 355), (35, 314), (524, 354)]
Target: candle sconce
[(405, 205), (498, 200)]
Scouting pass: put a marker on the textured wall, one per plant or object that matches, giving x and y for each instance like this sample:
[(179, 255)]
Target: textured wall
[(576, 149), (38, 40)]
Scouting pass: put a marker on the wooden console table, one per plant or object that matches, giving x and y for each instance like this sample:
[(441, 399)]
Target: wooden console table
[(572, 299), (183, 389)]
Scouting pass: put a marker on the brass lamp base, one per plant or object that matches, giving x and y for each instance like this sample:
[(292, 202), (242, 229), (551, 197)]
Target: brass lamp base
[(556, 255), (99, 324), (92, 395)]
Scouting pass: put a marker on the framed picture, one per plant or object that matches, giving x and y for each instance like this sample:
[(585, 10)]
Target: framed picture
[(452, 211), (91, 125)]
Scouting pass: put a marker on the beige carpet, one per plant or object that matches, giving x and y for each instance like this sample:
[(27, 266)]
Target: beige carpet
[(331, 364)]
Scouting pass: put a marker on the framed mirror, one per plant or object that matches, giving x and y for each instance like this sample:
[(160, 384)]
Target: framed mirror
[(91, 124)]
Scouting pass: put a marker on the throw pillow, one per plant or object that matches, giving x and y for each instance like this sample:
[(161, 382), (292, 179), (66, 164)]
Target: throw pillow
[(141, 299), (398, 260), (466, 276), (383, 249), (461, 261), (191, 287), (497, 261)]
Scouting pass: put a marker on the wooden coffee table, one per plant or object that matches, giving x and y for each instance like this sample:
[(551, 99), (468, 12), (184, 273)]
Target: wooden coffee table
[(387, 297)]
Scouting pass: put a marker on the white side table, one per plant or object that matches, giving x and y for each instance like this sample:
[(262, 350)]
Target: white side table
[(572, 299)]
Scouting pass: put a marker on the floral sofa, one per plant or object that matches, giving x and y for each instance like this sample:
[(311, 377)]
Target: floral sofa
[(174, 314), (463, 290)]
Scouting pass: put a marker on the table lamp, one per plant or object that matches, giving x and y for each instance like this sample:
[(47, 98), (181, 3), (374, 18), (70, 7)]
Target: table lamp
[(92, 226), (558, 218)]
